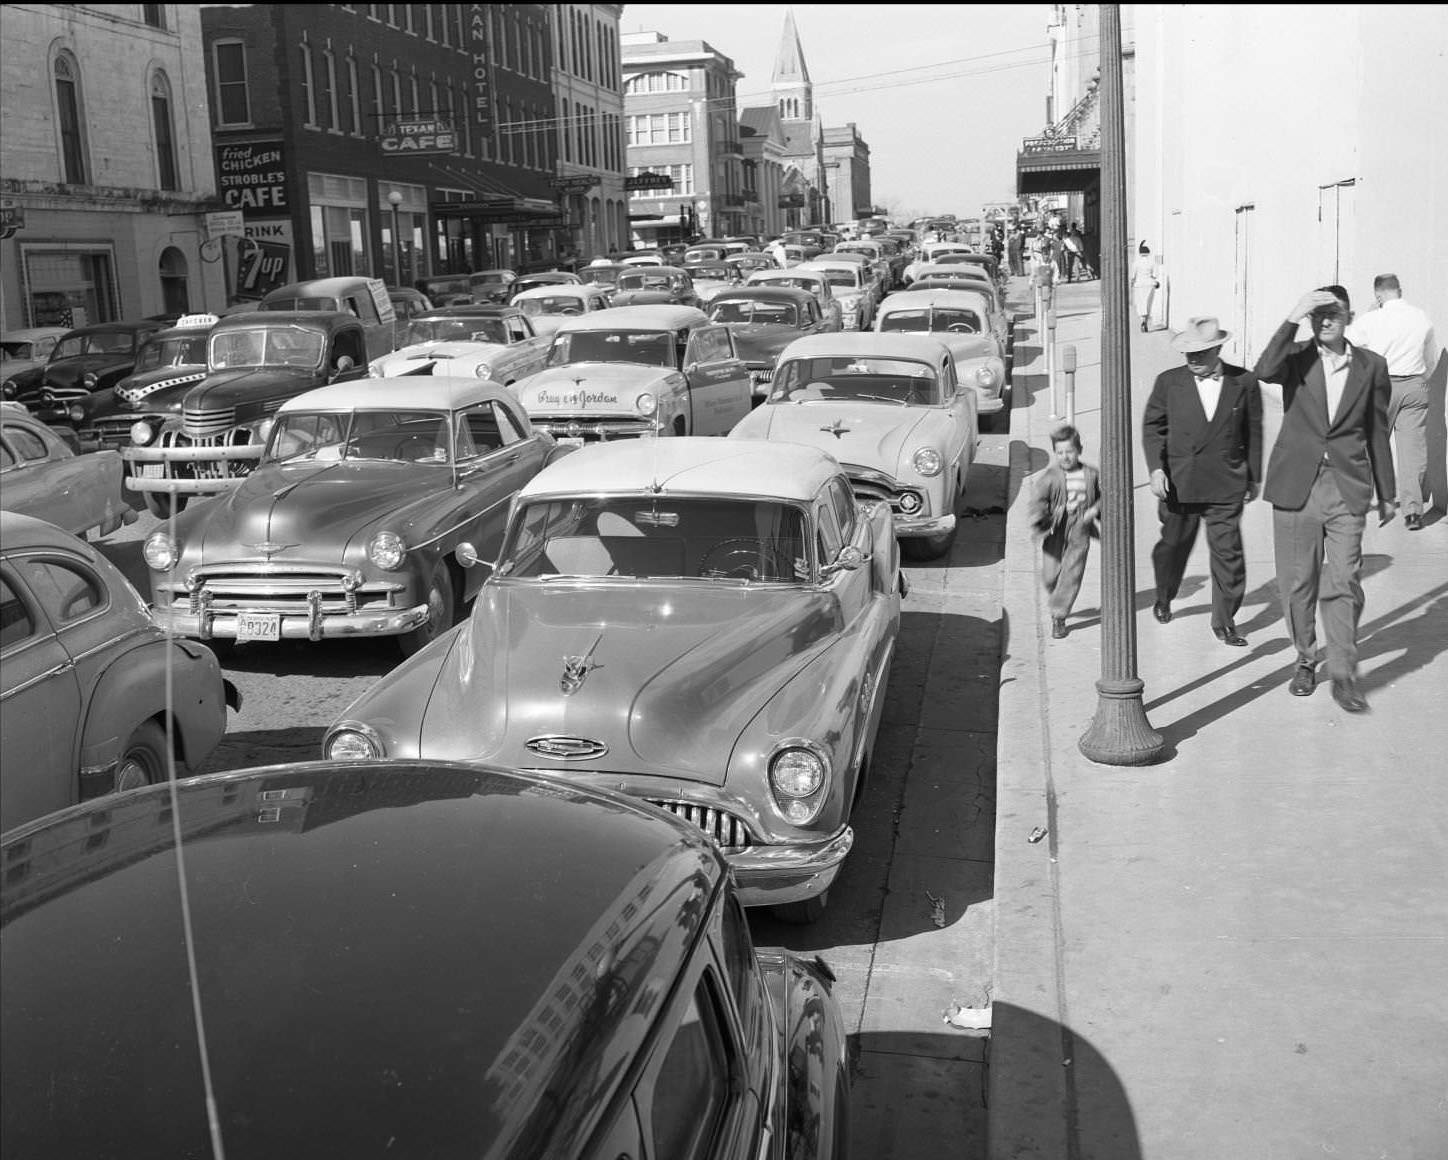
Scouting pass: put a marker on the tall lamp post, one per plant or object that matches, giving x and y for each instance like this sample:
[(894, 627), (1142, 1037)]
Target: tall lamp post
[(1119, 733), (394, 199)]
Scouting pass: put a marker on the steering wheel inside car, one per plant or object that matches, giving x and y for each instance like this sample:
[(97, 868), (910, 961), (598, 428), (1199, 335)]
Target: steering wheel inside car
[(741, 559)]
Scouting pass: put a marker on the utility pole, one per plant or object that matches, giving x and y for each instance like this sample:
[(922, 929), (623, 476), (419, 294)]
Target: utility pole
[(1119, 733)]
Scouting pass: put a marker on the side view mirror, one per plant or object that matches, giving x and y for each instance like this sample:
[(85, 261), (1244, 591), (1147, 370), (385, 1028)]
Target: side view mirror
[(467, 556), (344, 364), (849, 559)]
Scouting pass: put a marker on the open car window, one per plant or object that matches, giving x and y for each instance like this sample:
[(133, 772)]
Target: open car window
[(879, 380), (659, 537)]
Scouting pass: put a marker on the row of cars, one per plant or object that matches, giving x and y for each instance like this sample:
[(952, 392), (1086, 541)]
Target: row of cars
[(673, 669)]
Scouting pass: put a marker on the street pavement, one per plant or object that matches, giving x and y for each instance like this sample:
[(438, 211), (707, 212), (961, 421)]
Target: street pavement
[(1240, 951)]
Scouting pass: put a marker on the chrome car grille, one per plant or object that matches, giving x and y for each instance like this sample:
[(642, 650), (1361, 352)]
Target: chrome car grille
[(595, 429), (729, 833), (115, 432), (871, 486), (238, 588), (199, 422)]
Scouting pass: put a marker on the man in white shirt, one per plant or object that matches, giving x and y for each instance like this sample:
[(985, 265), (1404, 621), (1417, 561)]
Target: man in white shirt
[(1403, 335)]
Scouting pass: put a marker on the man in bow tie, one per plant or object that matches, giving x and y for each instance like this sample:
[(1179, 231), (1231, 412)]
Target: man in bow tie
[(1202, 435), (1332, 452)]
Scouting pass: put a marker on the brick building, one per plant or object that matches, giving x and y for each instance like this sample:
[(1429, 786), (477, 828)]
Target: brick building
[(105, 161), (390, 140)]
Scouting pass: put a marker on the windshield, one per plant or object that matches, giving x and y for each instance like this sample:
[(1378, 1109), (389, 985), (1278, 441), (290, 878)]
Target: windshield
[(799, 282), (704, 254), (654, 348), (457, 330), (267, 346), (550, 304), (600, 276), (488, 278), (172, 352), (932, 319), (17, 350), (395, 436), (713, 273), (754, 312), (842, 278), (104, 342), (644, 280), (663, 537), (880, 380)]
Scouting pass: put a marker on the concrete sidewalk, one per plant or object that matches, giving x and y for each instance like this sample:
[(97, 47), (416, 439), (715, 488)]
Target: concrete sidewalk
[(1241, 951)]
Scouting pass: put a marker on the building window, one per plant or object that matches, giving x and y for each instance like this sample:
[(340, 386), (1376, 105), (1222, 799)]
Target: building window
[(354, 98), (165, 133), (309, 104), (428, 30), (413, 92), (377, 106), (328, 101), (233, 102), (392, 15), (339, 225), (407, 19), (154, 15), (660, 129), (68, 115), (175, 295), (657, 82), (396, 93), (683, 176)]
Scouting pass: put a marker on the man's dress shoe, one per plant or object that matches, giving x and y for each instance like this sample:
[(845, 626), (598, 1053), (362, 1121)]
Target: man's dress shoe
[(1413, 522), (1058, 628), (1346, 693), (1304, 680), (1231, 636), (1162, 611)]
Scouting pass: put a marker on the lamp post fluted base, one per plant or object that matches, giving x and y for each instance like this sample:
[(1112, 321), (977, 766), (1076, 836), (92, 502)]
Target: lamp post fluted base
[(1120, 734)]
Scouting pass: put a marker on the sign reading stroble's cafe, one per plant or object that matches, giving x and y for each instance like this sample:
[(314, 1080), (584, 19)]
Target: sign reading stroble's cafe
[(250, 177)]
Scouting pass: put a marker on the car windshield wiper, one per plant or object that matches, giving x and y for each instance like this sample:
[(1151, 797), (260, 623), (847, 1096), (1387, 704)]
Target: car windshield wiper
[(883, 399)]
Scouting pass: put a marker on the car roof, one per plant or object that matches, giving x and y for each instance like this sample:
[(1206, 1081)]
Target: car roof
[(763, 294), (468, 310), (118, 327), (401, 392), (30, 334), (405, 944), (562, 277), (554, 289), (867, 344), (18, 532), (764, 277), (667, 269), (688, 465), (328, 320), (320, 288), (660, 317), (916, 299)]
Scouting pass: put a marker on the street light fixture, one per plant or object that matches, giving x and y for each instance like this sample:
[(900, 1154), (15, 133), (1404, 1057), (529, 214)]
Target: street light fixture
[(394, 199)]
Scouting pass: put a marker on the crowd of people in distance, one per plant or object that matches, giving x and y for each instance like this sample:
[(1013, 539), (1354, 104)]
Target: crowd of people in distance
[(1062, 247)]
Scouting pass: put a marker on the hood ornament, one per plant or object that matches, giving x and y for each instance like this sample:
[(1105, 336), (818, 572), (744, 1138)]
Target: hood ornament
[(837, 429), (269, 548), (576, 669)]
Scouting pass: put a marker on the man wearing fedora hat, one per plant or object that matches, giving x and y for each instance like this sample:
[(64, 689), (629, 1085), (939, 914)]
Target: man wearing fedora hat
[(1202, 435)]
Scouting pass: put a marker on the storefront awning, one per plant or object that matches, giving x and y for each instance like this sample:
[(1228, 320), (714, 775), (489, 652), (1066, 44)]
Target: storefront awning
[(671, 222), (491, 207), (1059, 171)]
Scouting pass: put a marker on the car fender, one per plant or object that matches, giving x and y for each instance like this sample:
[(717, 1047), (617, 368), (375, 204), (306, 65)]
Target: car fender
[(132, 689)]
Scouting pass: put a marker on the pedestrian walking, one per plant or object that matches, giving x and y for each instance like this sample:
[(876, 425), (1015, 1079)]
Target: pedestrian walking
[(1144, 284), (1403, 335), (1332, 451), (1065, 508), (1076, 253), (1202, 435), (1015, 246)]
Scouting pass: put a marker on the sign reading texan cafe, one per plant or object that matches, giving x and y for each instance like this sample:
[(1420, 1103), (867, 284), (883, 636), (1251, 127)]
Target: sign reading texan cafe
[(250, 177), (418, 135), (482, 111)]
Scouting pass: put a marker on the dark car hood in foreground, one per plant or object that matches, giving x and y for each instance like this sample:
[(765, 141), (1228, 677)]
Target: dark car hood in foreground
[(157, 389), (378, 950), (67, 373), (314, 509), (678, 671), (228, 388), (762, 342)]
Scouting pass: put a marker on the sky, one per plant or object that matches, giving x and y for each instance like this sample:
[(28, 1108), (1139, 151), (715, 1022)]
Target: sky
[(946, 141)]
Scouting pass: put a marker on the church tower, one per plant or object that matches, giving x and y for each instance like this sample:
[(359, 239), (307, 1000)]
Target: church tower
[(793, 92)]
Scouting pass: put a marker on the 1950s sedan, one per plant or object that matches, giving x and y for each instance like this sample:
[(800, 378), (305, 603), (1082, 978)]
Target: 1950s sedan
[(705, 624), (351, 522), (890, 408), (961, 319), (404, 959), (41, 476), (488, 342), (83, 680)]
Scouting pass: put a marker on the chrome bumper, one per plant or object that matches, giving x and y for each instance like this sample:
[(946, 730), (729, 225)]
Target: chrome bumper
[(776, 875), (910, 526), (313, 625)]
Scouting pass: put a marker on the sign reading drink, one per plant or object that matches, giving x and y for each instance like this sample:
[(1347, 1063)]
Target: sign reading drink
[(1049, 145), (482, 111), (418, 135)]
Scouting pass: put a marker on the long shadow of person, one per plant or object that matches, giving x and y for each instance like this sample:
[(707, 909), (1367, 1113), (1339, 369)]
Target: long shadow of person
[(1417, 641)]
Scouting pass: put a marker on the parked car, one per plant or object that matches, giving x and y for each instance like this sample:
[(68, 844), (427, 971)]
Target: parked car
[(705, 624), (543, 278), (41, 476), (929, 251), (966, 279), (491, 285), (751, 260), (638, 370), (488, 342), (851, 287), (446, 289), (22, 350), (890, 408), (83, 680), (704, 252), (709, 278), (351, 522), (960, 319), (364, 298), (549, 306), (873, 252), (602, 274), (643, 258), (764, 320), (169, 363), (90, 359), (407, 304), (812, 280), (254, 363), (655, 286), (606, 1003)]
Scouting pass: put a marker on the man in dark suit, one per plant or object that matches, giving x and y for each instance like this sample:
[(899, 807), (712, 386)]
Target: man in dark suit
[(1202, 434), (1333, 450)]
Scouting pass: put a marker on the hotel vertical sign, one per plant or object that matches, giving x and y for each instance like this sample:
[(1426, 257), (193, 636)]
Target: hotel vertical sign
[(482, 110)]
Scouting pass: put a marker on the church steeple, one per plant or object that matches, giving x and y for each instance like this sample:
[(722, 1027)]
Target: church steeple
[(793, 92)]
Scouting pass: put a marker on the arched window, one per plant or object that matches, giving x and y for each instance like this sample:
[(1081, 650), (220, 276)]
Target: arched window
[(68, 111), (166, 171), (175, 297)]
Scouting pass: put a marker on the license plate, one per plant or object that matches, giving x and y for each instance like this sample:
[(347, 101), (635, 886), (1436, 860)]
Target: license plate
[(153, 470), (258, 626), (568, 440)]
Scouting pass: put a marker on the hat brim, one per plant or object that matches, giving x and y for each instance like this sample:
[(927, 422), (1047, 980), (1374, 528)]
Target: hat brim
[(1184, 345)]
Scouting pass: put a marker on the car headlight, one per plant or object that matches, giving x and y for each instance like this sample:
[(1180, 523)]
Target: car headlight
[(160, 552), (89, 381), (985, 376), (646, 404), (481, 370), (387, 550), (927, 461), (9, 389), (797, 773), (141, 433), (76, 413), (354, 742)]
